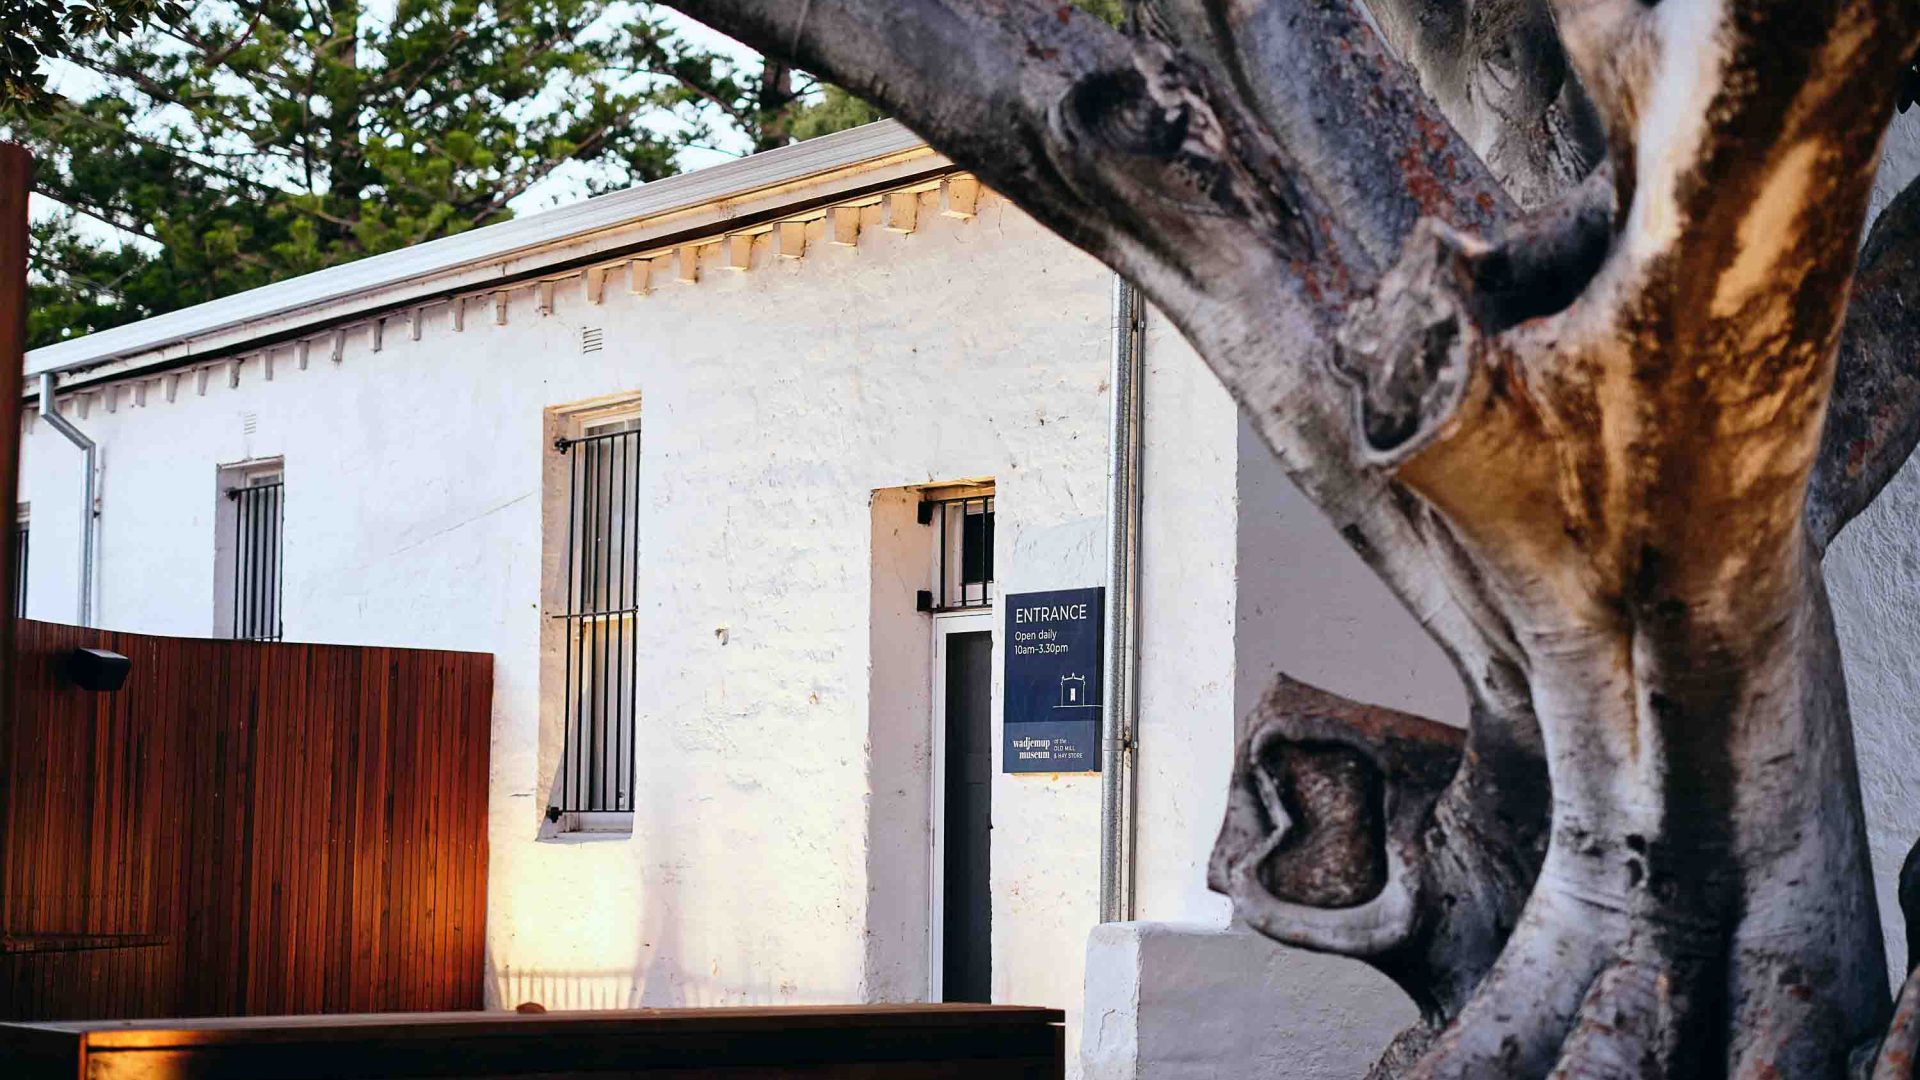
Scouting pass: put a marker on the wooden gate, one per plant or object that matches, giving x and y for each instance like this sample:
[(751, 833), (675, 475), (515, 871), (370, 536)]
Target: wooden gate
[(245, 828)]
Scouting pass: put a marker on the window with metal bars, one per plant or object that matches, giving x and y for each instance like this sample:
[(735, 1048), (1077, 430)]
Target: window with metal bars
[(258, 524), (20, 533), (963, 552), (601, 593)]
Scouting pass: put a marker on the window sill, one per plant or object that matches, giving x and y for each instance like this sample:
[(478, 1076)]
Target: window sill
[(588, 827)]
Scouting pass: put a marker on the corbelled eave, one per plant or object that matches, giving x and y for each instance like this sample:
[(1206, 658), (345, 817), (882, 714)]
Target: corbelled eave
[(703, 206)]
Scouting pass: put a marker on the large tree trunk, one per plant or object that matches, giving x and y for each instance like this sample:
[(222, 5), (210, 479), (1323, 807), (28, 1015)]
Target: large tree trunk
[(1594, 426)]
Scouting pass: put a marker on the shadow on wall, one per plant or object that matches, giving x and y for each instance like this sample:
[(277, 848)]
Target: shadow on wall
[(562, 991), (664, 971), (558, 990)]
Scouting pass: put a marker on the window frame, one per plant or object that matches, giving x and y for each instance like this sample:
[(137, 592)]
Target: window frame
[(584, 613), (238, 487)]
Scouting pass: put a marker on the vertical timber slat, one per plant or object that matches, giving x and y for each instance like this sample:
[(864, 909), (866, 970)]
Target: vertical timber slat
[(245, 827)]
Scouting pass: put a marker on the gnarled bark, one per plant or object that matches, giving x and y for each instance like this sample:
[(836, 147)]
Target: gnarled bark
[(1347, 832), (1874, 419), (1583, 444)]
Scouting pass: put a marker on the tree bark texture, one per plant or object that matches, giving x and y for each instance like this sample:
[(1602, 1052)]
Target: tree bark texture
[(1558, 310)]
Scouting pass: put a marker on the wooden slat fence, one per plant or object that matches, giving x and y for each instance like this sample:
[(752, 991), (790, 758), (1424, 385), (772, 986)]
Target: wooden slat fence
[(246, 828)]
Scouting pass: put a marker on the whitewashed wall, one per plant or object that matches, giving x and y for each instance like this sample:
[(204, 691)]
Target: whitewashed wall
[(774, 403)]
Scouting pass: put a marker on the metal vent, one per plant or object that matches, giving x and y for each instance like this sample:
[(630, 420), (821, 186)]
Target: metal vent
[(249, 422), (590, 339)]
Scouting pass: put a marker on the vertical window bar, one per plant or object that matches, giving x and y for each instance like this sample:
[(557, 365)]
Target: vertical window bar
[(969, 552), (960, 537), (242, 625), (987, 531), (250, 502), (631, 724), (566, 625), (595, 750), (586, 625), (620, 655), (974, 558), (262, 508), (966, 557), (256, 624), (263, 617), (978, 560), (239, 526), (596, 544), (279, 560), (21, 532), (257, 617), (596, 744)]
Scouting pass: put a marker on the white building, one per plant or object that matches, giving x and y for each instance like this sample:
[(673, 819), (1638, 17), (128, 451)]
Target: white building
[(776, 363)]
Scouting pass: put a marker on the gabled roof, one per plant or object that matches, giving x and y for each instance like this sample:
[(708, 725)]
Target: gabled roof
[(511, 250)]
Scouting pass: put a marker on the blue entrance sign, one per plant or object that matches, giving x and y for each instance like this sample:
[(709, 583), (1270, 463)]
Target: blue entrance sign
[(1053, 681)]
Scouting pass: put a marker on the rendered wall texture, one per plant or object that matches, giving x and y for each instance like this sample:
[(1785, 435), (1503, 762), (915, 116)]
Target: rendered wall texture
[(774, 402)]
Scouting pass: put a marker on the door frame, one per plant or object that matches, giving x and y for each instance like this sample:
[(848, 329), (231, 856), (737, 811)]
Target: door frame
[(970, 621)]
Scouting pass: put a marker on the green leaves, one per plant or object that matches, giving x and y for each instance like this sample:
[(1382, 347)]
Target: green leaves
[(34, 30), (248, 141)]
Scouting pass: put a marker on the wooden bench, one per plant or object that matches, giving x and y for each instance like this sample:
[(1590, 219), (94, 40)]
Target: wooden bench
[(873, 1042)]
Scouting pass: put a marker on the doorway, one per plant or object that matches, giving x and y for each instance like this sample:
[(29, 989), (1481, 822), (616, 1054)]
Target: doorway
[(962, 916)]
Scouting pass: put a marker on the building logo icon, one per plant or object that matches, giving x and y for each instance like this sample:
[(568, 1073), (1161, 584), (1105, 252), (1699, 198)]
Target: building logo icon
[(1073, 691)]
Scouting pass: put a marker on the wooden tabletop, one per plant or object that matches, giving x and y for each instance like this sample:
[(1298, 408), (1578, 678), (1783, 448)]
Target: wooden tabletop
[(431, 1025), (876, 1041)]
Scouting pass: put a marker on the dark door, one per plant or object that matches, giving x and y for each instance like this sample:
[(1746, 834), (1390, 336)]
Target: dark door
[(967, 944)]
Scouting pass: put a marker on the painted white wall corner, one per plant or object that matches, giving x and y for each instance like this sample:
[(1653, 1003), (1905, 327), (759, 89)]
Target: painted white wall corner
[(1173, 1001)]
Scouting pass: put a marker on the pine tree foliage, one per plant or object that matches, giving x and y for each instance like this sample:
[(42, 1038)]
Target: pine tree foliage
[(32, 31), (245, 142)]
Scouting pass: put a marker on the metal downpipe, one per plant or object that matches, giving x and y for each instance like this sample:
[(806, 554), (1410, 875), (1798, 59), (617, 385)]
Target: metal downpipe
[(88, 525), (1122, 663)]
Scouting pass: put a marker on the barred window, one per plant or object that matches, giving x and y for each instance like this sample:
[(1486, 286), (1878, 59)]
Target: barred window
[(602, 648), (963, 550), (258, 519)]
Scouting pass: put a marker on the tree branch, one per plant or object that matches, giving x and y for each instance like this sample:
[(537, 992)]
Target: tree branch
[(1346, 831), (1900, 1049), (104, 216), (1498, 71), (1322, 845), (1873, 417), (1353, 120)]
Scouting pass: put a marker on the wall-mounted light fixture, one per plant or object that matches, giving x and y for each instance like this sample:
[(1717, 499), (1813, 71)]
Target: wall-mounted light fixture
[(98, 670)]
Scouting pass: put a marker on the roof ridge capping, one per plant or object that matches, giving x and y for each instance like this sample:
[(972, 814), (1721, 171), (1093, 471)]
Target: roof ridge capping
[(492, 243)]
